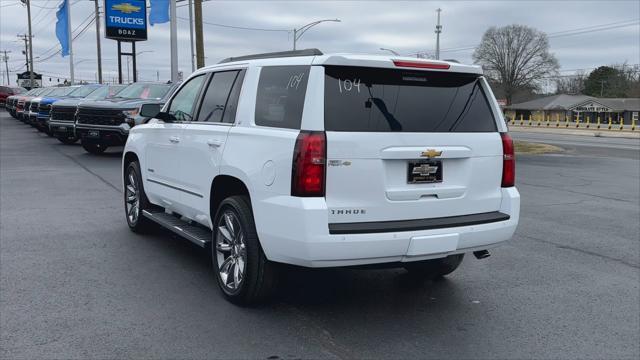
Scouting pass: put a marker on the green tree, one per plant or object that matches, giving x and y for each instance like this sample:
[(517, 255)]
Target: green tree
[(515, 57), (608, 82)]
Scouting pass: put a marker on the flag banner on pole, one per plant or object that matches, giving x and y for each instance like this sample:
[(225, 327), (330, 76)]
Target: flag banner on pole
[(159, 12), (62, 27)]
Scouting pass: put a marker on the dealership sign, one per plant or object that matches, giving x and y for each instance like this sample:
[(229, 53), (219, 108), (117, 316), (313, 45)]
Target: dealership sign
[(126, 20), (24, 80)]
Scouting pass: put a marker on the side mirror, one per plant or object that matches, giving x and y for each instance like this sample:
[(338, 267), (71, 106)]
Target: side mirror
[(150, 110)]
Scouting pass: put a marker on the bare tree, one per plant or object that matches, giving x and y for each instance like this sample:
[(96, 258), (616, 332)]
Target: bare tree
[(573, 84), (515, 56)]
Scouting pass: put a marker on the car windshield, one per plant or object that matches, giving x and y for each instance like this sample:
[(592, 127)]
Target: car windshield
[(105, 92), (44, 92), (62, 91), (83, 91), (144, 91)]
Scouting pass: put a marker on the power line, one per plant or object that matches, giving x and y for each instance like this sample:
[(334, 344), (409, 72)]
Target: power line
[(74, 38), (56, 44), (238, 27), (557, 34)]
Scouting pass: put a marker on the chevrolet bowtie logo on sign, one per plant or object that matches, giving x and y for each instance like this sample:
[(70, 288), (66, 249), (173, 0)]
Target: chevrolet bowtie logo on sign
[(126, 8), (431, 153), (125, 20)]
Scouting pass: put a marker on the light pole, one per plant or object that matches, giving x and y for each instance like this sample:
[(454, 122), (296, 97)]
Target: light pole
[(438, 31), (391, 51), (128, 59), (297, 33)]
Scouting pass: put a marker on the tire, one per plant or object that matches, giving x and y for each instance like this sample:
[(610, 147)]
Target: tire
[(244, 274), (435, 268), (94, 148), (135, 199), (67, 140)]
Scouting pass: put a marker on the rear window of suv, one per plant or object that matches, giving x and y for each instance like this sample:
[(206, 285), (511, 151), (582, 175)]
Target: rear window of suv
[(388, 100), (281, 92)]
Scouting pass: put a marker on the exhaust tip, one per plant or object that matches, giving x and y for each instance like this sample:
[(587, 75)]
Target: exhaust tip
[(482, 254)]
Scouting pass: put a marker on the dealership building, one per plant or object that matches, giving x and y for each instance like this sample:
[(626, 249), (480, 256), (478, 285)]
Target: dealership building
[(576, 107)]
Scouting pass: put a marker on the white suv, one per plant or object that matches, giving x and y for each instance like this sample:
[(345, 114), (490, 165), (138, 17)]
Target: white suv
[(322, 161)]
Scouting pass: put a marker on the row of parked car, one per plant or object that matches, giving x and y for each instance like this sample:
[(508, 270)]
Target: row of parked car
[(98, 115)]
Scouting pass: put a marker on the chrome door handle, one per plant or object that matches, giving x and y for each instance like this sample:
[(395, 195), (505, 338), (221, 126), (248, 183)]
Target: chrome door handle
[(174, 139), (214, 143)]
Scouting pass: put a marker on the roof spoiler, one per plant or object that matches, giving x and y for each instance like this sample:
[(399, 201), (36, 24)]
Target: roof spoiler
[(305, 52)]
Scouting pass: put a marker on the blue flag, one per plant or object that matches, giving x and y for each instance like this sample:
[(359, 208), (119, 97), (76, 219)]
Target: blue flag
[(62, 27), (159, 12)]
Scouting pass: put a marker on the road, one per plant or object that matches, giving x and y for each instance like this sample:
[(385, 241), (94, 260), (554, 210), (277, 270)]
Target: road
[(586, 145), (76, 283)]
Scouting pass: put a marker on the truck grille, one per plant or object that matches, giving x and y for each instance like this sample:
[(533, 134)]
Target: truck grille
[(44, 107), (100, 117), (63, 113), (33, 106)]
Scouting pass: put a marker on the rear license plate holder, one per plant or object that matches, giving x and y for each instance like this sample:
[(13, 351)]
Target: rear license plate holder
[(424, 172)]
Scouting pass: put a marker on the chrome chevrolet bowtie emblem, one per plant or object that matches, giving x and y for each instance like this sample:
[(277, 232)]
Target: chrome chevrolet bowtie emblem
[(431, 153), (424, 170)]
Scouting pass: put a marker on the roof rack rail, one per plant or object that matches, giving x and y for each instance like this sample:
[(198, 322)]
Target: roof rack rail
[(304, 52)]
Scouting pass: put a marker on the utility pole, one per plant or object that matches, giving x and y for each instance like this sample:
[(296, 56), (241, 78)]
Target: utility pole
[(6, 64), (193, 60), (70, 39), (30, 60), (174, 40), (98, 42), (199, 37), (438, 31)]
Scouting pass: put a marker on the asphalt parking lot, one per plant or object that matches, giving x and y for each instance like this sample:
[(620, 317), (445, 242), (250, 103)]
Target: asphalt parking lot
[(76, 283)]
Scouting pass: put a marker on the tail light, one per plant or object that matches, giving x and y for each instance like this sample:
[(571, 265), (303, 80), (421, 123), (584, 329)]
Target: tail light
[(508, 161), (309, 158)]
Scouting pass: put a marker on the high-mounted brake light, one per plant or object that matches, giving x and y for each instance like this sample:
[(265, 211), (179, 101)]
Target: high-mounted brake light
[(508, 161), (421, 64), (309, 158)]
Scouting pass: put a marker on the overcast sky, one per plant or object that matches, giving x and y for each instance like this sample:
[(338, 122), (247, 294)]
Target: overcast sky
[(583, 34)]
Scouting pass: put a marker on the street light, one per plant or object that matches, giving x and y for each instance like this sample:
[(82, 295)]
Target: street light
[(391, 51), (297, 33), (129, 57)]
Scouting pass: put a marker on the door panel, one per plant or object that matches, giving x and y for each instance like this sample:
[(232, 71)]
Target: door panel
[(205, 141), (163, 164)]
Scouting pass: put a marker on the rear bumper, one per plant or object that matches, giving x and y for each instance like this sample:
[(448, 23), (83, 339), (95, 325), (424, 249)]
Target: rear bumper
[(299, 235)]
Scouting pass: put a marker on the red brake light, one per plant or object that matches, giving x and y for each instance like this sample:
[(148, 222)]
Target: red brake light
[(508, 161), (421, 64), (309, 158)]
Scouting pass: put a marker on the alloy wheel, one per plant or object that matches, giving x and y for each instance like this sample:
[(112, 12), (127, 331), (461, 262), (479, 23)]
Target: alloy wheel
[(231, 252), (132, 198)]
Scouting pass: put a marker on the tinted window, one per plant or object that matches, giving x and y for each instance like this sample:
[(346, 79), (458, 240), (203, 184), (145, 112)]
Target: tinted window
[(384, 100), (232, 103), (215, 99), (182, 104), (281, 92)]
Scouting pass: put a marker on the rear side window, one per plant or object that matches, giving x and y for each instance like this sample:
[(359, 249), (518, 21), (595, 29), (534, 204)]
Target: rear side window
[(215, 99), (281, 92), (388, 100)]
